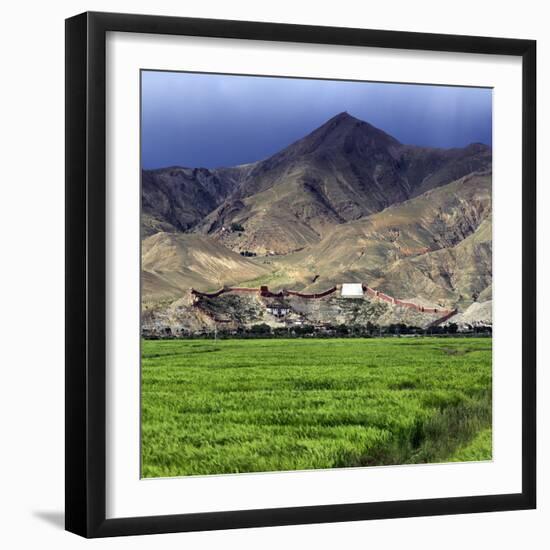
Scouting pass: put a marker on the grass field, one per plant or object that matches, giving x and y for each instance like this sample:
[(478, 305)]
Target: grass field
[(228, 406)]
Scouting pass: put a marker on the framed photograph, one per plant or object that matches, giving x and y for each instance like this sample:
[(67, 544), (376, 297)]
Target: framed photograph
[(300, 274)]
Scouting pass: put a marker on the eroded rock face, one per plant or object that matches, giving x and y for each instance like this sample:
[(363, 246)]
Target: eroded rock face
[(479, 314), (178, 198)]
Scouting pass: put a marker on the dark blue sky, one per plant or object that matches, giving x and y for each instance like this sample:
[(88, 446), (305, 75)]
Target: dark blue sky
[(203, 120)]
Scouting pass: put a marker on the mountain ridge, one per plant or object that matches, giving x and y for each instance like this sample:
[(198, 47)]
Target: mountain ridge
[(345, 203), (343, 170)]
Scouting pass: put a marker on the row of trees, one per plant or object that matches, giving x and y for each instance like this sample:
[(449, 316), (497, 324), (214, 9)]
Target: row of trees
[(370, 330)]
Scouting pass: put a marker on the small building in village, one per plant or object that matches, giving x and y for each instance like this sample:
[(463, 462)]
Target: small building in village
[(278, 310)]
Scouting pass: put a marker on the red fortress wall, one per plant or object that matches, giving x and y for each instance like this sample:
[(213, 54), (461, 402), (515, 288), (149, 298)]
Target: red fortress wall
[(266, 293)]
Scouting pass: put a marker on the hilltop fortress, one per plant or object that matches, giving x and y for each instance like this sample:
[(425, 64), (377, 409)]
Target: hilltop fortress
[(234, 309), (347, 202), (346, 290)]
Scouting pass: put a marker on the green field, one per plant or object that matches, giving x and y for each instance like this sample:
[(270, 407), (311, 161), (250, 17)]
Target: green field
[(228, 406)]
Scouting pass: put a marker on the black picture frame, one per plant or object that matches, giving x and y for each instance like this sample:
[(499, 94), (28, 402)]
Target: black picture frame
[(86, 275)]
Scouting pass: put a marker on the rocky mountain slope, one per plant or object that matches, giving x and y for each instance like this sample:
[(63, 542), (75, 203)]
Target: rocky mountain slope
[(343, 171), (478, 314), (434, 248), (171, 263), (177, 199), (347, 203)]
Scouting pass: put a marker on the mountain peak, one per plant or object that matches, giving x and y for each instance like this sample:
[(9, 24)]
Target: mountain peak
[(344, 115), (343, 119), (346, 131)]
